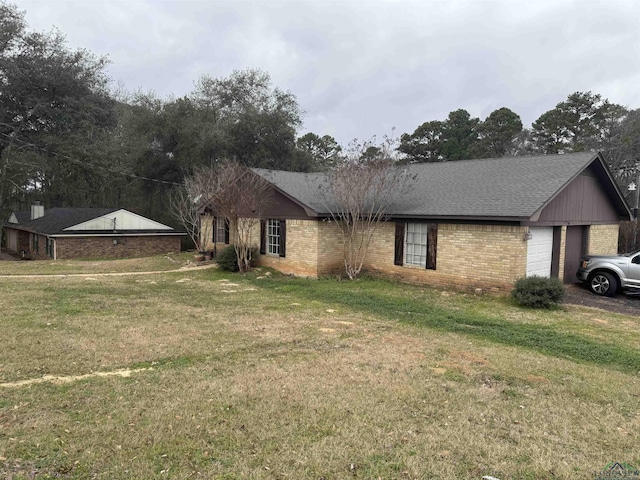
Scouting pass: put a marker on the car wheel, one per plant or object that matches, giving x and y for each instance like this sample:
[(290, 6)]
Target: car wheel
[(603, 283)]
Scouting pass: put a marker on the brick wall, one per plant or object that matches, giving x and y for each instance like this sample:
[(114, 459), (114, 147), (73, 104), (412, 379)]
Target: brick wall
[(603, 239), (563, 252), (103, 247), (330, 248), (491, 257), (468, 256), (301, 250)]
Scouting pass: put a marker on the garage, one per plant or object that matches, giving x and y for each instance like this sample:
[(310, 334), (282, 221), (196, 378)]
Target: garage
[(540, 251)]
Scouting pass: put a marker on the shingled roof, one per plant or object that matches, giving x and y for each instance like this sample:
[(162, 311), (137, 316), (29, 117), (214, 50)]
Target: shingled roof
[(56, 220), (506, 188)]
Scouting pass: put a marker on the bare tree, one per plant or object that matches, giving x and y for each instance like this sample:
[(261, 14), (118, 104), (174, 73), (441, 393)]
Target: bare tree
[(230, 191), (358, 193), (241, 197), (187, 203)]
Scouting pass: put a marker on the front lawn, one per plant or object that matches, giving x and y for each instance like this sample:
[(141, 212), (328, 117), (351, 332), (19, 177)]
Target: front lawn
[(171, 261), (270, 377)]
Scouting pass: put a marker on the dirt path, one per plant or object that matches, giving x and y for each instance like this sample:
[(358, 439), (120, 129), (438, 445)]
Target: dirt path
[(110, 274), (71, 378)]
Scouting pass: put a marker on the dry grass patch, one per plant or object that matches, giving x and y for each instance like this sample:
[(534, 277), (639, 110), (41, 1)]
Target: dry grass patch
[(94, 266), (274, 381)]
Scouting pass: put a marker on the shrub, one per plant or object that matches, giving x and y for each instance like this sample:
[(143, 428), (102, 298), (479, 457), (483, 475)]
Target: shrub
[(227, 259), (538, 292)]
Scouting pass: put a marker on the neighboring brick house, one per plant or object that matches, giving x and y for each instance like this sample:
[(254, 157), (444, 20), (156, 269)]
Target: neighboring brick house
[(61, 233), (474, 223)]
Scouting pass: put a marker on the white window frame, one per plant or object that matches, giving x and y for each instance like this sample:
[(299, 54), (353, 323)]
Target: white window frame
[(273, 237), (415, 244)]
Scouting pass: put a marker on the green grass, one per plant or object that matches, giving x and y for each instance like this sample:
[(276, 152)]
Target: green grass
[(291, 378), (380, 298)]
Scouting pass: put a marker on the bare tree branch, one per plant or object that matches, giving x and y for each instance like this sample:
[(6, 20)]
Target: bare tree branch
[(230, 191), (241, 197), (358, 193)]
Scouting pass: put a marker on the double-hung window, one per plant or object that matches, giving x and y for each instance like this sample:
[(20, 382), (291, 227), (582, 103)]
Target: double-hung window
[(416, 244), (221, 230), (273, 237)]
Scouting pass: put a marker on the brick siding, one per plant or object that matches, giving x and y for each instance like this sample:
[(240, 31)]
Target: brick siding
[(330, 248), (468, 256), (126, 247), (603, 239), (301, 249), (563, 252), (490, 257)]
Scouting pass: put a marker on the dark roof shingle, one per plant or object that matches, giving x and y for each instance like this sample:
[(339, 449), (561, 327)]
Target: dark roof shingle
[(509, 187), (56, 220)]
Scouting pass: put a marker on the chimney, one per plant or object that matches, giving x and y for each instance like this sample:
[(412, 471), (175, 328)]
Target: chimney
[(37, 210)]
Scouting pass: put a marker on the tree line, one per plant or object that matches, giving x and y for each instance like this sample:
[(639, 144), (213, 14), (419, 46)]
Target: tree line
[(68, 138)]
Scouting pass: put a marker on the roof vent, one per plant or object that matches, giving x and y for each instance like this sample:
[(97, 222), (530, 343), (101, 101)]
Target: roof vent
[(37, 210)]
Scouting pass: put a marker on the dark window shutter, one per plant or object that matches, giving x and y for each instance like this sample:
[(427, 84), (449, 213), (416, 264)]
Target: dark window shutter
[(432, 245), (399, 250), (215, 224), (263, 237), (283, 238), (226, 231)]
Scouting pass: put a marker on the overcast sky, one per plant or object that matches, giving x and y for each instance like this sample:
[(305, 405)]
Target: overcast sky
[(360, 68)]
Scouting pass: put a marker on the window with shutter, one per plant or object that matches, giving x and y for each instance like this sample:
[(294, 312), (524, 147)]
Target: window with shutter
[(416, 244)]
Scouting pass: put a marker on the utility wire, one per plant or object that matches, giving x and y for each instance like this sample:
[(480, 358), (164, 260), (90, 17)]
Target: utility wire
[(84, 164)]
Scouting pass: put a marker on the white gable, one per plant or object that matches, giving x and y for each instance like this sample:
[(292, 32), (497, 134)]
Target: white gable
[(12, 218), (120, 220)]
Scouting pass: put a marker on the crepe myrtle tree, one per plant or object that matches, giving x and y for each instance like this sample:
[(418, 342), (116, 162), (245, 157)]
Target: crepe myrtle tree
[(187, 203), (241, 197), (358, 193), (231, 191)]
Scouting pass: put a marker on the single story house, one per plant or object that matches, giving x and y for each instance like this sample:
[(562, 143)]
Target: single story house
[(61, 233), (474, 223)]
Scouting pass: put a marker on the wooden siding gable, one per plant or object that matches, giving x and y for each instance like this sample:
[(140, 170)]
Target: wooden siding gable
[(121, 220), (282, 206), (582, 201), (590, 197)]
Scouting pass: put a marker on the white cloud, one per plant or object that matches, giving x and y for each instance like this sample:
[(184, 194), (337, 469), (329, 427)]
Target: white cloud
[(359, 68)]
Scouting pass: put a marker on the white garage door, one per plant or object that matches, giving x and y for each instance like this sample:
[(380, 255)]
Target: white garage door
[(539, 250)]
